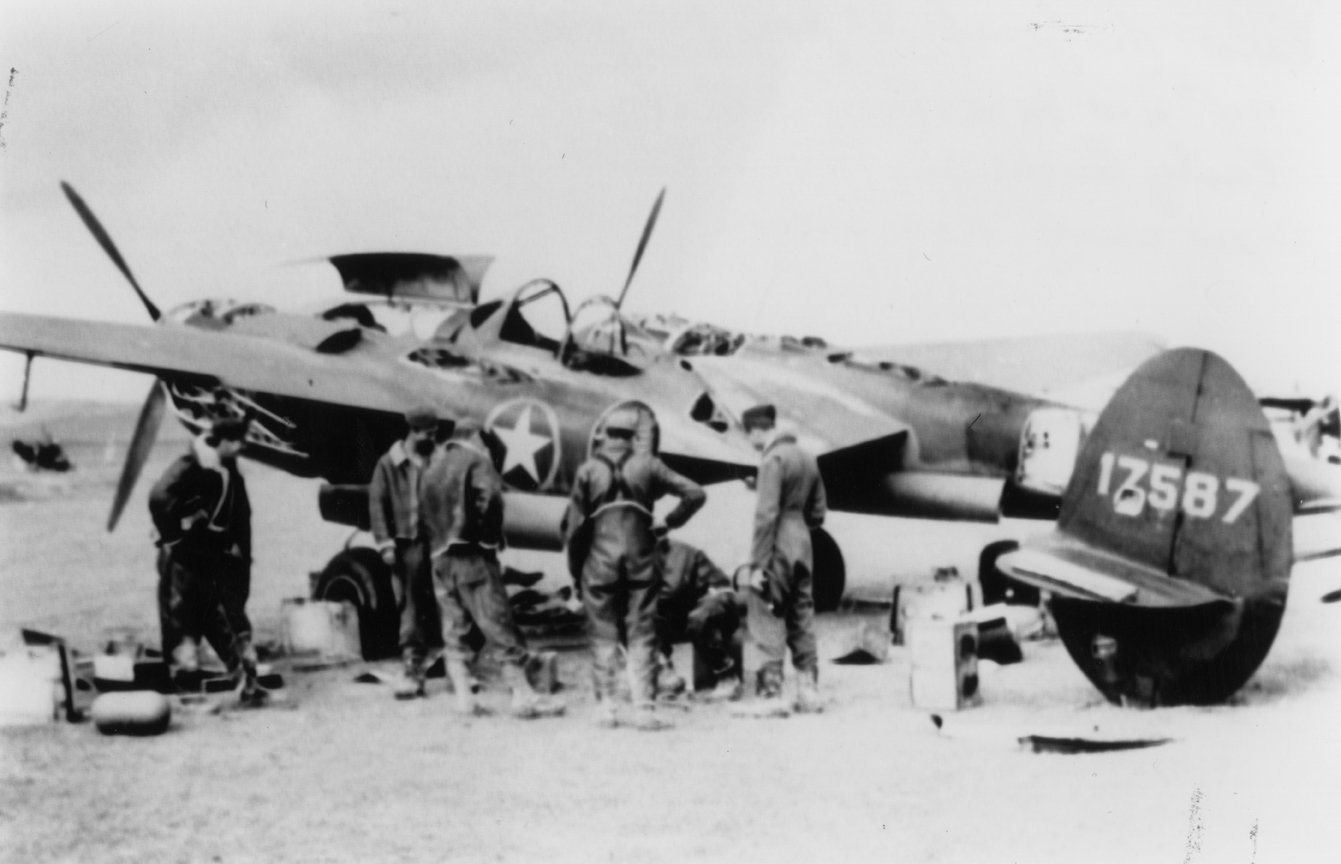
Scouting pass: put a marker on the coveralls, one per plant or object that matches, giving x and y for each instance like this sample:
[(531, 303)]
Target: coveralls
[(393, 505), (790, 504), (615, 491), (203, 516), (461, 501), (695, 603)]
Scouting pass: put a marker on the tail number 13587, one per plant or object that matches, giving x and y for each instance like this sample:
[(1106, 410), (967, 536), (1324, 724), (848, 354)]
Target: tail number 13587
[(1166, 488)]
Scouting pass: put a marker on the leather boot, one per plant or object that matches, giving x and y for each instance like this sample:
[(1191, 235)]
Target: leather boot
[(412, 683), (251, 695), (807, 692), (526, 703), (185, 663), (728, 689), (542, 670), (669, 683), (769, 703), (460, 678)]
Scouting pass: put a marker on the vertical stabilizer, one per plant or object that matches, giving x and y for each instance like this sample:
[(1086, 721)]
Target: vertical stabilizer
[(1169, 566), (1182, 475)]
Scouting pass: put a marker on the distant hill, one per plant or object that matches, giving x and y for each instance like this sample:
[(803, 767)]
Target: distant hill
[(81, 422)]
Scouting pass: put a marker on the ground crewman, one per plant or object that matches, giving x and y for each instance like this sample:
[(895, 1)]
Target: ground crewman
[(393, 510), (696, 604), (203, 518), (780, 602), (461, 505), (609, 534)]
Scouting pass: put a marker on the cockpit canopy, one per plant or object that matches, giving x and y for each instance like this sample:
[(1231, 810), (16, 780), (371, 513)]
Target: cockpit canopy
[(596, 338), (601, 340)]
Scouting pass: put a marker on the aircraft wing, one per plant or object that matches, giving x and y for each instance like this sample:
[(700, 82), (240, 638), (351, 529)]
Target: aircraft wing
[(185, 353), (1082, 369), (830, 418)]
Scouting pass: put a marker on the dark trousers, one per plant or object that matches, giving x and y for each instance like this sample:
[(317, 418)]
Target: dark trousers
[(469, 587), (203, 594), (710, 627), (793, 627), (619, 590), (419, 626)]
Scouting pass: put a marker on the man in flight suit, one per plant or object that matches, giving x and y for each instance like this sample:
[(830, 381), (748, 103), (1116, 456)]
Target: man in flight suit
[(695, 604), (203, 517), (461, 504), (393, 510), (611, 543), (781, 604)]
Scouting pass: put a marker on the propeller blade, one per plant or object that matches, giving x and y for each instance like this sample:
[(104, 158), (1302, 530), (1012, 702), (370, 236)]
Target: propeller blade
[(146, 430), (95, 227), (642, 244)]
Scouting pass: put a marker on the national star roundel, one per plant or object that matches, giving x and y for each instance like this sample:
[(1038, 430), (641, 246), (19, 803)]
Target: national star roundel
[(529, 429)]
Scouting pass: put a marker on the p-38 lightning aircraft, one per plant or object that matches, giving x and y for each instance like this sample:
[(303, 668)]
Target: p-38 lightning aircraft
[(1158, 603), (327, 390)]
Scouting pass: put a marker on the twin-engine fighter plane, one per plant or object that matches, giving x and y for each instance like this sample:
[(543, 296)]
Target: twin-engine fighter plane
[(326, 391)]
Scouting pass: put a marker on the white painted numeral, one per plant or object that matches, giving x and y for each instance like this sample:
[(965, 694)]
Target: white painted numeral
[(1247, 491), (1130, 498), (1164, 486), (1105, 472), (1201, 496)]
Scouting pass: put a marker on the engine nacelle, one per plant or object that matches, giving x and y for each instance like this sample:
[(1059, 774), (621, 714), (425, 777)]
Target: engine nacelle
[(529, 521), (1049, 444)]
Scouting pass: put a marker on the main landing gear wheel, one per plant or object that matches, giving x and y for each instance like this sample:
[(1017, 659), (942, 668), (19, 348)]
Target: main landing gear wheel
[(1148, 657), (360, 576), (830, 571)]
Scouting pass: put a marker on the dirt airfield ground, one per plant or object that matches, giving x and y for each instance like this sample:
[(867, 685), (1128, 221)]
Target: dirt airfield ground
[(341, 772)]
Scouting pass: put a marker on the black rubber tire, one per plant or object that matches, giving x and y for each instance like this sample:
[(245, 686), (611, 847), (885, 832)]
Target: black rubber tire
[(830, 571), (997, 587), (361, 577), (1198, 656)]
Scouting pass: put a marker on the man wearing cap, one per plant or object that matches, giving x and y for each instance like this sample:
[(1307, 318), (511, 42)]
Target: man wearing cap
[(695, 604), (393, 505), (461, 503), (203, 518), (781, 604), (611, 542)]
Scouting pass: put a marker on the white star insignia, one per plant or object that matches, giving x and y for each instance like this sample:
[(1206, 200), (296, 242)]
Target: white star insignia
[(522, 444)]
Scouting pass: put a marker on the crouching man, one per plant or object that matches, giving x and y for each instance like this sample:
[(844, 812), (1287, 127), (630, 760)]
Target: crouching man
[(203, 518), (461, 504), (696, 605)]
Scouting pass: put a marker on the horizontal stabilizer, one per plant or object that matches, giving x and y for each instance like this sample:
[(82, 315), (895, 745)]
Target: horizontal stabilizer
[(414, 274), (1071, 569)]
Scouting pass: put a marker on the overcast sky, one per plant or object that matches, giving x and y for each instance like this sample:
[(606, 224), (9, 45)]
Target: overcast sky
[(872, 172)]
